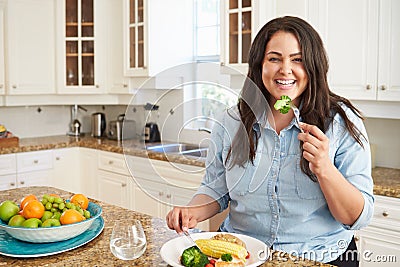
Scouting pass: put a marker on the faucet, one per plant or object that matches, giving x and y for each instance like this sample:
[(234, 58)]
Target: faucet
[(203, 129)]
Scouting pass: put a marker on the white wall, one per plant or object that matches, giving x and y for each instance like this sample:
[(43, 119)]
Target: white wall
[(385, 134)]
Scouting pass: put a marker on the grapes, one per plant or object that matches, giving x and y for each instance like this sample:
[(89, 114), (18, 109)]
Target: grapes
[(58, 205)]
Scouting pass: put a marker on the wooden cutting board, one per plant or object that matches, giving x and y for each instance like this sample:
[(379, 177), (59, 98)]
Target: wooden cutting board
[(9, 142)]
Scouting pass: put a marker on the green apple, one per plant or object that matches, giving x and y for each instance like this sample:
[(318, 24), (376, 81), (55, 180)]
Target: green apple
[(16, 220), (46, 215), (8, 209), (32, 223), (51, 222)]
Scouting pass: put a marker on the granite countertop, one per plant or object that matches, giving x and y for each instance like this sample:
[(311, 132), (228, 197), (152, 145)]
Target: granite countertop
[(386, 180), (97, 252)]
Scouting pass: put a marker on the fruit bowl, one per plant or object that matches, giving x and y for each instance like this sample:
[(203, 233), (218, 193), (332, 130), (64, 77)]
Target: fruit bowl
[(55, 233)]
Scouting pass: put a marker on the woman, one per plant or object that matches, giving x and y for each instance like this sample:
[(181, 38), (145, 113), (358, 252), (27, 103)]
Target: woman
[(300, 192)]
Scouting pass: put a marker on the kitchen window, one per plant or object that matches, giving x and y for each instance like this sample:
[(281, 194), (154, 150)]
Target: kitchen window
[(209, 98)]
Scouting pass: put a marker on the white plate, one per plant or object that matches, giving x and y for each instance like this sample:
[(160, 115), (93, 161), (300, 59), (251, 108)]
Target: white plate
[(172, 250)]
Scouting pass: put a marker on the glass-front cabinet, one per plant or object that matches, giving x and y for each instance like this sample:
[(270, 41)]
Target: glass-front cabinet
[(237, 29), (81, 47), (135, 57), (2, 61)]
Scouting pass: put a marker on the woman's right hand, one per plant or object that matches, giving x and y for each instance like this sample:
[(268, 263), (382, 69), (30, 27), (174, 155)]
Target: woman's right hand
[(181, 219)]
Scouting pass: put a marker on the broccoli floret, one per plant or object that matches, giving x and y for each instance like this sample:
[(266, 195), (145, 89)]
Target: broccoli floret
[(226, 257), (283, 104), (193, 257)]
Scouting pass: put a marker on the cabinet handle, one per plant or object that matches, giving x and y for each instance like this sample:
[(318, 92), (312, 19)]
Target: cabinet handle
[(57, 158), (168, 195), (12, 184), (97, 86), (110, 162), (160, 194), (356, 238), (14, 86), (368, 87), (123, 184), (222, 64), (22, 182), (383, 87), (125, 85), (385, 213), (36, 161), (1, 86)]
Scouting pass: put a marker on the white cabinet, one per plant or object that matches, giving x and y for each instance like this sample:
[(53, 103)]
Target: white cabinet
[(2, 61), (8, 171), (361, 46), (88, 160), (379, 243), (30, 46), (117, 82), (34, 168), (160, 185), (153, 43), (113, 179), (240, 22), (81, 46), (26, 169), (66, 171)]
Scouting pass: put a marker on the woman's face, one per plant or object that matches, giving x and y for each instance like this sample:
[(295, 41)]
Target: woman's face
[(283, 72)]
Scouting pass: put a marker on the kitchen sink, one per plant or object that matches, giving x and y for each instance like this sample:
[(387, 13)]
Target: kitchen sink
[(180, 148)]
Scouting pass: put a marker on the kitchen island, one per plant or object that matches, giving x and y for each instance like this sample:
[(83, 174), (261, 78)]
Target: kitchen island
[(97, 252)]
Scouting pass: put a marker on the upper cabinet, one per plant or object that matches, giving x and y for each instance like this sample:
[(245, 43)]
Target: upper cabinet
[(362, 47), (237, 24), (2, 67), (158, 34), (30, 46), (240, 21), (81, 46)]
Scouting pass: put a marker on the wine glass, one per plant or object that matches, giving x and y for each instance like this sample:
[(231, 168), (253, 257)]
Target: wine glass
[(128, 240)]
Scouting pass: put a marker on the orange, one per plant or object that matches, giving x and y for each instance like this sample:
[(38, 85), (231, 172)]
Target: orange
[(26, 199), (71, 216), (81, 200), (33, 209)]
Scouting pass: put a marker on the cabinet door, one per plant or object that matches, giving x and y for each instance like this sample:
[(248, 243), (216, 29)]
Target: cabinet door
[(118, 83), (66, 169), (88, 171), (352, 45), (2, 66), (237, 30), (148, 198), (135, 41), (8, 181), (113, 188), (389, 54), (31, 46), (81, 46), (378, 247), (35, 178)]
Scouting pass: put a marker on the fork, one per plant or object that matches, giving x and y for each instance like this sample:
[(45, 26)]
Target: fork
[(187, 234), (296, 115)]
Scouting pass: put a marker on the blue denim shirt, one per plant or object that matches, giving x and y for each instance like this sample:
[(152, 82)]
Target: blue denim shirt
[(274, 201)]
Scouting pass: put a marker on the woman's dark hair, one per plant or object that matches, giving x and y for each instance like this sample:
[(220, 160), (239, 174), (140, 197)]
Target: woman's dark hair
[(318, 101)]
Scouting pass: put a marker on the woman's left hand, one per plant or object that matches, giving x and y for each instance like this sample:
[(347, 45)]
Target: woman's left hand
[(315, 148)]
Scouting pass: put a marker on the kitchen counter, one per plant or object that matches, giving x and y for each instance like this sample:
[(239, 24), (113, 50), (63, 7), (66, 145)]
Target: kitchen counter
[(386, 180), (97, 252)]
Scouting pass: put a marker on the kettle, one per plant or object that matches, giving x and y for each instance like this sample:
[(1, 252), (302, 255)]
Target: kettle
[(98, 124), (151, 133)]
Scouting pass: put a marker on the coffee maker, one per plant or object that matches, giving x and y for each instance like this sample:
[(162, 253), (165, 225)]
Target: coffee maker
[(151, 132)]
